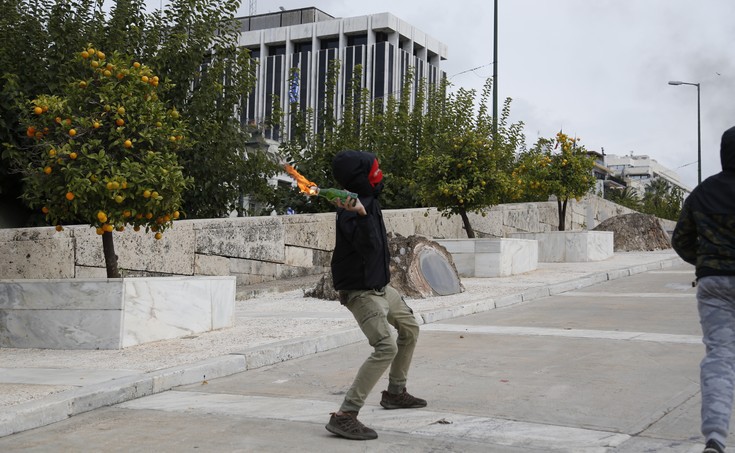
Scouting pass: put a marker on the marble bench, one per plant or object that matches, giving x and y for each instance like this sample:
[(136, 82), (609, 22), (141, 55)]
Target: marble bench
[(571, 246), (492, 257), (111, 313)]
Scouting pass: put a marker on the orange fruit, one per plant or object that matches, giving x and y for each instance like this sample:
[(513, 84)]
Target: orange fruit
[(85, 54), (47, 170), (59, 228), (107, 73), (52, 153), (82, 84), (154, 195), (146, 194), (107, 228), (70, 196), (96, 125), (128, 144), (127, 213), (100, 55), (37, 110), (176, 214), (144, 79), (158, 236), (136, 228), (149, 216), (120, 122), (31, 131), (72, 132), (101, 216), (121, 110), (109, 185), (95, 64), (99, 231), (72, 155), (136, 65), (119, 199), (44, 210)]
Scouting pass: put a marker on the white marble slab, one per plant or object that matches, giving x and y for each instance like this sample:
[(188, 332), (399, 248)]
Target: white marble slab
[(499, 257), (111, 313), (571, 246)]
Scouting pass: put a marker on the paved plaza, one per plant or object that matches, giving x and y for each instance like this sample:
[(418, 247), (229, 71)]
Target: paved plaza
[(571, 357)]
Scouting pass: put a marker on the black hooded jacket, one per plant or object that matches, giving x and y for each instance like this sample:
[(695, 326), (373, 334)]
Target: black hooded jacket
[(705, 233), (361, 258)]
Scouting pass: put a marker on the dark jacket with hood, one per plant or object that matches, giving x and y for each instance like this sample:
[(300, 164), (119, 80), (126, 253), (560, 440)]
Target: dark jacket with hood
[(705, 233), (361, 258)]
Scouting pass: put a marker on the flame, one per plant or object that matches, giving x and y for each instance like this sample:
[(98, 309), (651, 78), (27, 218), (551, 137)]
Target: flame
[(304, 184)]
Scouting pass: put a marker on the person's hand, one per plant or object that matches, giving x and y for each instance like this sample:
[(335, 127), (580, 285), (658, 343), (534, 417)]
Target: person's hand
[(351, 204)]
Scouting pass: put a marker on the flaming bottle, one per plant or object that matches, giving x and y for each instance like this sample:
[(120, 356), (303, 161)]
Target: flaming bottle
[(331, 194)]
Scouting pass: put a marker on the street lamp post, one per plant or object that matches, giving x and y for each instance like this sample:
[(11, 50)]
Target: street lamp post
[(699, 128)]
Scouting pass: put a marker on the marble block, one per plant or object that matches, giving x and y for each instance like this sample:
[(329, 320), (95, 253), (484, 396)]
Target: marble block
[(492, 257), (571, 246), (111, 313)]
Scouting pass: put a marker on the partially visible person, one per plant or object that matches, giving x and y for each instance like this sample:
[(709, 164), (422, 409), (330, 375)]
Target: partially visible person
[(705, 237), (361, 274)]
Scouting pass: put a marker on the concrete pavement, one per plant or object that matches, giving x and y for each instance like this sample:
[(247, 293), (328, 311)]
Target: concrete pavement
[(39, 387)]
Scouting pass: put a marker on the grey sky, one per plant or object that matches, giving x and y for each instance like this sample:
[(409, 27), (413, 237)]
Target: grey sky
[(598, 69)]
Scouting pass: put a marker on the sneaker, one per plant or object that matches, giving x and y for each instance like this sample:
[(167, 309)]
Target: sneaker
[(403, 400), (349, 427), (713, 447)]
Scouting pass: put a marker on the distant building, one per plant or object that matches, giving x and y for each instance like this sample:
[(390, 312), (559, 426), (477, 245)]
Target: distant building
[(638, 171), (308, 39)]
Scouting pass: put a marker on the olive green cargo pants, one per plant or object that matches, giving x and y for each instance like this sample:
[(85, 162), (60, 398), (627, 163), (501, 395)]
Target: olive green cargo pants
[(376, 311)]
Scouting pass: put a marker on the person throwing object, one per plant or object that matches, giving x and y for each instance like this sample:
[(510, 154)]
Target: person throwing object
[(361, 274)]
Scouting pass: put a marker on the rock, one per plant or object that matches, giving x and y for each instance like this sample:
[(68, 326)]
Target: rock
[(419, 268), (636, 232)]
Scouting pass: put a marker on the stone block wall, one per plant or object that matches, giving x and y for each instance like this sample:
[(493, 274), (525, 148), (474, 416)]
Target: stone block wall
[(258, 249)]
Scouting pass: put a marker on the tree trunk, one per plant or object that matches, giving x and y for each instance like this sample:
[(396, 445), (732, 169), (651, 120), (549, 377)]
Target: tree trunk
[(562, 208), (108, 248), (467, 226)]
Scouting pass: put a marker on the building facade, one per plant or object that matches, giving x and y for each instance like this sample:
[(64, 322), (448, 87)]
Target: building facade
[(306, 40), (638, 171)]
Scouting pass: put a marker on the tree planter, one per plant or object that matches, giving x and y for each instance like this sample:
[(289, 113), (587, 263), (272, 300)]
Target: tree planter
[(499, 257), (571, 246), (111, 313)]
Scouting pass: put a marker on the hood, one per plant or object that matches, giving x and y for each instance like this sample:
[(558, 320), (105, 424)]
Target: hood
[(358, 171), (727, 150)]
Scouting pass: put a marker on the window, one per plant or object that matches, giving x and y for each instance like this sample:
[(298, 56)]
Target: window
[(329, 43), (357, 40), (277, 50), (299, 47)]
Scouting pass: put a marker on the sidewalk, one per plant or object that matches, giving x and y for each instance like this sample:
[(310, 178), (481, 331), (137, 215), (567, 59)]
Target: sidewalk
[(39, 387)]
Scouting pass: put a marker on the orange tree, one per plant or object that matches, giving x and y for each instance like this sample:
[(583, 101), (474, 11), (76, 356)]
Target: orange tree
[(103, 152), (463, 167), (560, 167)]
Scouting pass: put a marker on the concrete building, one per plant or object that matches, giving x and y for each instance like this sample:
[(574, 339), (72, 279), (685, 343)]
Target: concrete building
[(307, 40), (638, 171)]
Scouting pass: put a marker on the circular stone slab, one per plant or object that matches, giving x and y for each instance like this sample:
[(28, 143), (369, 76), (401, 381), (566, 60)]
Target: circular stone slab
[(438, 273)]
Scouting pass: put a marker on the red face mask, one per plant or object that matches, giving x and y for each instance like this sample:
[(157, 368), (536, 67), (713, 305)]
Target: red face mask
[(376, 174)]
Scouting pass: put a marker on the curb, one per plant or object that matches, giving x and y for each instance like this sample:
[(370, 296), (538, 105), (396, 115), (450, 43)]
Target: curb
[(63, 405)]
